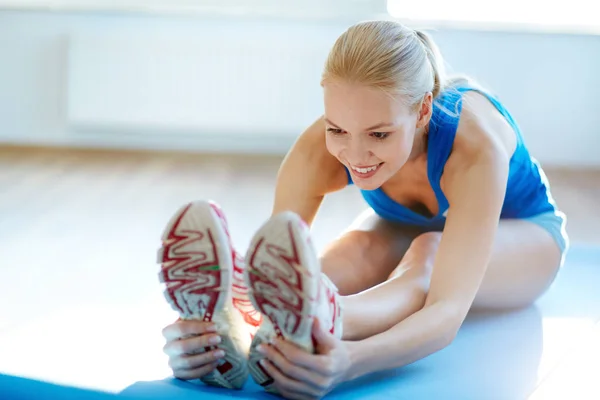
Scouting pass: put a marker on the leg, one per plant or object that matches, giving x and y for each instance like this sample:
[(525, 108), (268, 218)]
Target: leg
[(364, 256), (366, 253), (524, 262)]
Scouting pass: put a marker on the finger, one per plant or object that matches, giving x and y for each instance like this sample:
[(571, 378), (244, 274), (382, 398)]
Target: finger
[(192, 345), (316, 363), (187, 374), (196, 361), (286, 384), (284, 362), (182, 329), (326, 341)]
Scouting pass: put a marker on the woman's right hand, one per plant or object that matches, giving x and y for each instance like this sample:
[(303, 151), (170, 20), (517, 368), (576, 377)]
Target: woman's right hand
[(186, 340)]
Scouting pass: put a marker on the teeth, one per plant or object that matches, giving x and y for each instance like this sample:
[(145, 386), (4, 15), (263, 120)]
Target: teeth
[(365, 170)]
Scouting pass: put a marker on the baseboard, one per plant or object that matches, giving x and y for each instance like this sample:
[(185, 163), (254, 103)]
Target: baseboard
[(219, 144)]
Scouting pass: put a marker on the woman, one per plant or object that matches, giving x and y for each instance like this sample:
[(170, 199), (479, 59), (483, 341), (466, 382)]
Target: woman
[(460, 217)]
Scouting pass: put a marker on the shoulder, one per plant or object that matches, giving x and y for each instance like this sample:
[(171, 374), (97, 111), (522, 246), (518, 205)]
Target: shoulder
[(484, 138), (309, 155), (482, 128)]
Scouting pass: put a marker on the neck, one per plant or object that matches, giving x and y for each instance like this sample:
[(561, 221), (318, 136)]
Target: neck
[(418, 149), (419, 144)]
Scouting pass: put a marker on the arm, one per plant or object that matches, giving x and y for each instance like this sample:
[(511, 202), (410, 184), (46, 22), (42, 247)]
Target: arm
[(307, 174), (475, 182)]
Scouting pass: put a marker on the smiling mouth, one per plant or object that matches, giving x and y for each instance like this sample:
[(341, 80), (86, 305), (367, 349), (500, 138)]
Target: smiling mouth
[(366, 170)]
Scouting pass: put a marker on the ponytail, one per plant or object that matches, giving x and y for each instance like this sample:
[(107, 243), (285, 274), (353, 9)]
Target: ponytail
[(435, 60)]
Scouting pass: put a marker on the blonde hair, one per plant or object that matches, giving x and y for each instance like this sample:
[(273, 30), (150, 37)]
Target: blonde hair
[(389, 56)]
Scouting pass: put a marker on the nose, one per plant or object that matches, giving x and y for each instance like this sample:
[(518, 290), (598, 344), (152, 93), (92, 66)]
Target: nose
[(357, 152)]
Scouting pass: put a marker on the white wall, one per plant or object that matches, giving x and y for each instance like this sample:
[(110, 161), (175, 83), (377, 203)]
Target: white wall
[(142, 81)]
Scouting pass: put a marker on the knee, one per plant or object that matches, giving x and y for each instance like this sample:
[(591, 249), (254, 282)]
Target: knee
[(347, 263), (426, 243), (418, 260), (352, 245), (424, 248)]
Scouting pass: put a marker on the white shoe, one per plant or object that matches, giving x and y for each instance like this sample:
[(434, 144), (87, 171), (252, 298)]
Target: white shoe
[(204, 282), (286, 285)]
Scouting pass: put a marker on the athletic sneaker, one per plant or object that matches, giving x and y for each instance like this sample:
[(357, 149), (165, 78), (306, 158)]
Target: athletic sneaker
[(203, 280), (287, 286)]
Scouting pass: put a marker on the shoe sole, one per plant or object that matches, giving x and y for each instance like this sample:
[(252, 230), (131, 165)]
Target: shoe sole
[(196, 269), (282, 278)]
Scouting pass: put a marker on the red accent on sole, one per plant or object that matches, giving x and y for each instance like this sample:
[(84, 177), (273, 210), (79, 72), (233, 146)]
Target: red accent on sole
[(224, 368), (239, 290), (190, 272), (264, 274), (186, 271)]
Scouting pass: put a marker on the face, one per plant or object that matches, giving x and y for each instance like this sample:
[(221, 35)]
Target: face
[(370, 132)]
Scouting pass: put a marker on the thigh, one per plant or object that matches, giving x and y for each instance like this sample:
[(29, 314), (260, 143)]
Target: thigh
[(366, 253), (524, 263)]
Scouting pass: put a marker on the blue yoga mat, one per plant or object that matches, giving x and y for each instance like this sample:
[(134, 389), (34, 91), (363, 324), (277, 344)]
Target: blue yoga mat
[(19, 388), (494, 356)]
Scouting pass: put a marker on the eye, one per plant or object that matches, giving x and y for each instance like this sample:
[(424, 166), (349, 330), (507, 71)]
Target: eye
[(380, 135), (335, 131)]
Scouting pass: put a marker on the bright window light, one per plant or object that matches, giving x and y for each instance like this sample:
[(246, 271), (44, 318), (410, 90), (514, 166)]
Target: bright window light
[(529, 12)]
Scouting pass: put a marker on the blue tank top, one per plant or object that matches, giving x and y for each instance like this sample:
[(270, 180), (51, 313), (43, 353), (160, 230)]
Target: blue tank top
[(527, 193)]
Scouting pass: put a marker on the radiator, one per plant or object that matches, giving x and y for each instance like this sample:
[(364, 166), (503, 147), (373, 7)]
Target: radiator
[(245, 83)]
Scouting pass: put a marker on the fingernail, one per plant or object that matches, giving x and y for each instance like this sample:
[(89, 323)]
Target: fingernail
[(211, 328), (215, 340), (260, 348), (219, 353)]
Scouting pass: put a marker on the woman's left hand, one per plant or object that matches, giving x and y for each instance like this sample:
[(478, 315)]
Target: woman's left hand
[(301, 375)]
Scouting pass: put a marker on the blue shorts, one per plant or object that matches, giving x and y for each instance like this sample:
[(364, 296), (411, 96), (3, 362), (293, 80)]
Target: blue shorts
[(554, 222)]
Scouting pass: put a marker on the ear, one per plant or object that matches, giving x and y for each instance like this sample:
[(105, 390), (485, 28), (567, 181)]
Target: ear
[(425, 110)]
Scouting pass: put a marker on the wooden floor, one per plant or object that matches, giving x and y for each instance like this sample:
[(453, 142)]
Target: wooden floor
[(83, 306), (44, 190)]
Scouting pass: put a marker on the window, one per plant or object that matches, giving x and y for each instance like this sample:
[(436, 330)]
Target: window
[(572, 14), (538, 15)]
